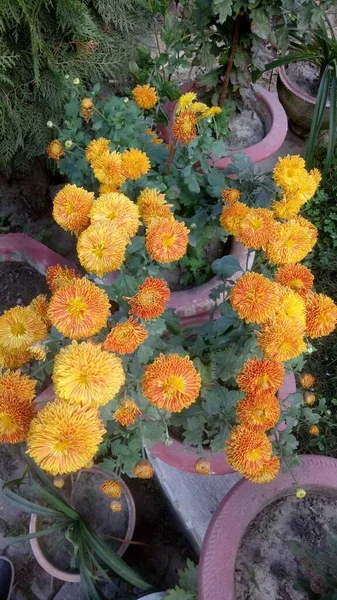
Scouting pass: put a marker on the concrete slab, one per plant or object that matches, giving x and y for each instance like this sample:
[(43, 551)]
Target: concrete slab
[(291, 145), (193, 498)]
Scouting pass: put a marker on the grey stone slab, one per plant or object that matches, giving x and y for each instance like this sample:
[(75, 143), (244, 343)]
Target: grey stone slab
[(193, 498), (291, 145), (69, 591)]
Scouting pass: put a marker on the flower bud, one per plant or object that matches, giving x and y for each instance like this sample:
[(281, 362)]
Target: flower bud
[(68, 144), (58, 481), (76, 81), (300, 493), (203, 466), (50, 124), (116, 506)]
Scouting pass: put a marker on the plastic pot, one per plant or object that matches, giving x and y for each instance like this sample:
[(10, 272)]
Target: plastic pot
[(37, 547), (316, 474)]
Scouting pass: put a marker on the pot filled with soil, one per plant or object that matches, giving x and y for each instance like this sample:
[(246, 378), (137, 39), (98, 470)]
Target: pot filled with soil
[(257, 131), (248, 551), (184, 457), (54, 552), (297, 86)]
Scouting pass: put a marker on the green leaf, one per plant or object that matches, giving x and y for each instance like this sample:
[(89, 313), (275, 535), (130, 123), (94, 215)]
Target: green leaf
[(332, 126), (226, 266), (179, 594), (260, 23), (223, 8), (30, 536), (317, 118)]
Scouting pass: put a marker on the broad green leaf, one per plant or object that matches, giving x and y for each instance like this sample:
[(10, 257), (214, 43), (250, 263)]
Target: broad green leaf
[(226, 266)]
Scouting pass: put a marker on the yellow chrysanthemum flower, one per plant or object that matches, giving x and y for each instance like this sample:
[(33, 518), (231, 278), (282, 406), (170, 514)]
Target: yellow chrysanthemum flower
[(184, 127), (255, 298), (281, 340), (55, 150), (38, 351), (108, 169), (125, 338), (118, 209), (321, 312), (127, 412), (15, 417), (58, 277), (21, 386), (79, 310), (247, 450), (289, 172), (135, 163), (259, 411), (232, 216), (211, 112), (71, 208), (64, 437), (260, 376), (150, 300), (198, 108), (166, 240), (185, 101), (145, 96), (171, 382), (86, 374), (40, 306), (290, 306), (13, 360), (291, 241), (288, 207), (256, 228), (101, 248), (151, 204), (96, 149), (20, 327)]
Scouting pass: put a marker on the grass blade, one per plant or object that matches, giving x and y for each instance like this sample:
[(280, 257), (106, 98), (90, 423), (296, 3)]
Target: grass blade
[(332, 126), (59, 503), (28, 506), (317, 118), (31, 536)]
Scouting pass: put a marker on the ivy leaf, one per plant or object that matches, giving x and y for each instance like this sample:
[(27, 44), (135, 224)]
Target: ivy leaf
[(226, 266)]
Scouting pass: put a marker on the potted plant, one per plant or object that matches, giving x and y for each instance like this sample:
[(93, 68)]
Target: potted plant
[(307, 85), (88, 552), (221, 573)]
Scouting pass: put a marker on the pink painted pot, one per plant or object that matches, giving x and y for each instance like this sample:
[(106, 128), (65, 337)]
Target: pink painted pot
[(19, 247), (184, 457), (273, 116), (316, 474)]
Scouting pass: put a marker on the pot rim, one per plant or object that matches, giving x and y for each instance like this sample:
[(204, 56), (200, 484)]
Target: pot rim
[(240, 507), (75, 577), (296, 90)]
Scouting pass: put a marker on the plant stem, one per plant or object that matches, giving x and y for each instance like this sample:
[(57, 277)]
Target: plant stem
[(230, 62), (170, 157)]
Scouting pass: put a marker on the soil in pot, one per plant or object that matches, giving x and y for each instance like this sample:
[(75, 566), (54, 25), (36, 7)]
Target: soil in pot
[(246, 129), (266, 568), (305, 76), (20, 283)]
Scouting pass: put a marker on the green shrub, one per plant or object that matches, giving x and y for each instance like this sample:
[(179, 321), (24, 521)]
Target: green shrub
[(44, 41)]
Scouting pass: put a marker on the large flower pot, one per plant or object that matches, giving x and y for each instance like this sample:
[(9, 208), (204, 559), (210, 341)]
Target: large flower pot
[(184, 457), (37, 546), (316, 474), (272, 115), (299, 105)]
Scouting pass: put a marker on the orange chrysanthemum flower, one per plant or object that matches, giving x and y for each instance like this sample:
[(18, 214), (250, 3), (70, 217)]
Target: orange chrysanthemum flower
[(184, 127), (307, 380), (289, 171), (112, 488), (87, 109), (290, 307), (156, 140), (125, 338), (38, 351), (260, 375), (259, 411), (298, 277), (108, 169), (79, 310), (166, 240), (86, 374), (321, 314), (268, 471), (64, 437), (232, 216), (55, 150), (150, 300), (256, 228), (145, 96), (254, 297), (71, 208), (58, 277), (281, 340), (101, 248), (151, 204), (127, 412), (291, 241), (118, 209), (13, 360), (171, 382), (96, 149), (21, 386), (20, 327), (40, 306), (247, 449), (15, 417), (143, 469), (135, 163), (230, 195)]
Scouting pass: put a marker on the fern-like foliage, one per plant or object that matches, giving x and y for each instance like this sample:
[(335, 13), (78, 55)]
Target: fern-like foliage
[(42, 42)]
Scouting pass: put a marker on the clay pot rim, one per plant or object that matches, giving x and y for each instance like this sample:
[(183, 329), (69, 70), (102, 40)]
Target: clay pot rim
[(317, 474), (75, 577), (296, 90)]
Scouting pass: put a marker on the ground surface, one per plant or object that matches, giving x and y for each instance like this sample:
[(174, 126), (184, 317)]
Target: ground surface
[(19, 284)]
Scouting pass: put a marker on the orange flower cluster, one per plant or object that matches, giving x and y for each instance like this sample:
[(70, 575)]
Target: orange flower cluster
[(188, 113), (17, 408)]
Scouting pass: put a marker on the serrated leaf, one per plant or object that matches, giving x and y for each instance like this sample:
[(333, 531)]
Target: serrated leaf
[(226, 266)]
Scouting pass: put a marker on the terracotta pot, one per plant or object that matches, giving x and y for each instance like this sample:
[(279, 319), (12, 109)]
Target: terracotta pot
[(19, 247), (45, 563), (275, 121), (316, 474), (184, 457), (299, 105)]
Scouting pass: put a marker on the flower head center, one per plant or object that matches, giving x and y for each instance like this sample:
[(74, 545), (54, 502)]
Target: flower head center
[(263, 381), (18, 329), (77, 307), (172, 385), (64, 443), (168, 239), (254, 454), (7, 424), (147, 298), (296, 285), (256, 223), (99, 249)]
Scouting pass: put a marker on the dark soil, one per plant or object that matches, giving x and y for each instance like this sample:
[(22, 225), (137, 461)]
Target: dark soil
[(305, 75), (20, 283), (246, 130), (266, 567)]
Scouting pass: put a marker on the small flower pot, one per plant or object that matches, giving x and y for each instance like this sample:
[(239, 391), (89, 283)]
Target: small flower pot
[(299, 105), (37, 545), (272, 114), (184, 457), (316, 474)]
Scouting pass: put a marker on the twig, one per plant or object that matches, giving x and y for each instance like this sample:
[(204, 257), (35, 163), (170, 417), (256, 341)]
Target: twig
[(230, 62), (170, 157)]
